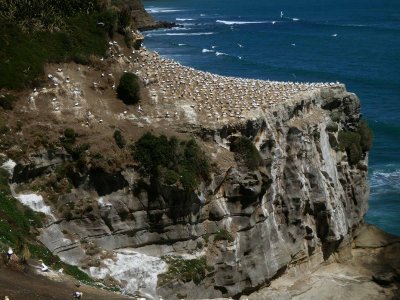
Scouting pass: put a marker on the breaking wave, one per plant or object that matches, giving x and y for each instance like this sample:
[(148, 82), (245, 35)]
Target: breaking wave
[(243, 22)]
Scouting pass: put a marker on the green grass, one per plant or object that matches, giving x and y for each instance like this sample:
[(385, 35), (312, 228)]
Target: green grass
[(16, 230), (172, 160), (223, 235), (23, 55), (15, 219), (39, 15), (185, 270)]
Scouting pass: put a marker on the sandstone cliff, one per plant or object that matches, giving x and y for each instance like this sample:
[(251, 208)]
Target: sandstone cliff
[(303, 203)]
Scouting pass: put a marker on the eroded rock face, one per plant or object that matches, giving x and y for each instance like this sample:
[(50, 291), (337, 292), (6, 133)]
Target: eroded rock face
[(303, 203)]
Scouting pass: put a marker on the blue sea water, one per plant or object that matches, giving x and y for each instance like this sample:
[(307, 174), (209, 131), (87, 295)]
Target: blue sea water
[(356, 42)]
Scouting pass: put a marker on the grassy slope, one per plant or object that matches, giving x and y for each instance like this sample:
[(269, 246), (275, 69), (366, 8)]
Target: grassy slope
[(17, 229), (23, 55)]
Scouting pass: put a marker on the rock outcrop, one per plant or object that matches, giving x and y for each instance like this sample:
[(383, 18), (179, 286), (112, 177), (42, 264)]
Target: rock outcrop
[(302, 204)]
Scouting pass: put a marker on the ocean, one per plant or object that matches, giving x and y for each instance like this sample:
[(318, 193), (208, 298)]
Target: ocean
[(356, 42)]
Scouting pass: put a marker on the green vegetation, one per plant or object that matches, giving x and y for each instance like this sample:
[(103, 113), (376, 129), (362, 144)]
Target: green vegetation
[(223, 235), (185, 270), (7, 102), (128, 88), (68, 142), (35, 32), (171, 160), (40, 252), (246, 151), (17, 224), (44, 14), (119, 139), (15, 219), (23, 55), (366, 136), (356, 143), (332, 127)]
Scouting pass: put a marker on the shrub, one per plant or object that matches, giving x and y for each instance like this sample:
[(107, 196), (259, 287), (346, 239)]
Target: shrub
[(223, 235), (119, 139), (124, 18), (128, 88), (356, 143), (172, 160), (185, 270), (171, 177), (128, 39), (7, 102), (366, 136), (246, 151), (4, 129), (332, 127), (70, 135)]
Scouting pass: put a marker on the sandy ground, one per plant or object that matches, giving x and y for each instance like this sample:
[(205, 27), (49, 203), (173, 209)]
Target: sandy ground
[(29, 286)]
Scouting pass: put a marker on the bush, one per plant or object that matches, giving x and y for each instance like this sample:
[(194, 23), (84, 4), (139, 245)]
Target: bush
[(246, 151), (128, 88), (7, 102), (70, 135), (4, 129), (124, 18), (356, 143), (119, 139), (332, 127), (172, 160), (171, 177), (223, 235), (366, 136), (185, 270)]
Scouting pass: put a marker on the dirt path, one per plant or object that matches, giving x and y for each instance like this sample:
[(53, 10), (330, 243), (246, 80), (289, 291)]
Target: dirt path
[(24, 286)]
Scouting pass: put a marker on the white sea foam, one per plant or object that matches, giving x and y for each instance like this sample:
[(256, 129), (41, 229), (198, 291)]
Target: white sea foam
[(157, 10), (384, 178), (180, 45), (207, 50), (186, 33), (220, 53), (242, 22), (295, 19), (183, 20)]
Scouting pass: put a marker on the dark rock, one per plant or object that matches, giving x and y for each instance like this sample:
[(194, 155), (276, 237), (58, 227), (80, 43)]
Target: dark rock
[(105, 183), (384, 278)]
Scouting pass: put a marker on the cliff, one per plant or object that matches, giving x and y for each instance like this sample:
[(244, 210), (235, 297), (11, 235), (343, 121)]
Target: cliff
[(304, 202), (283, 185)]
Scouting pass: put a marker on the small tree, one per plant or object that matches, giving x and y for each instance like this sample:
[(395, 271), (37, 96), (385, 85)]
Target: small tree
[(128, 88), (119, 139), (246, 152)]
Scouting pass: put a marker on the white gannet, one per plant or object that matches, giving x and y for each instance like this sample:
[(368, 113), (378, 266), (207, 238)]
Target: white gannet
[(77, 295), (44, 268)]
